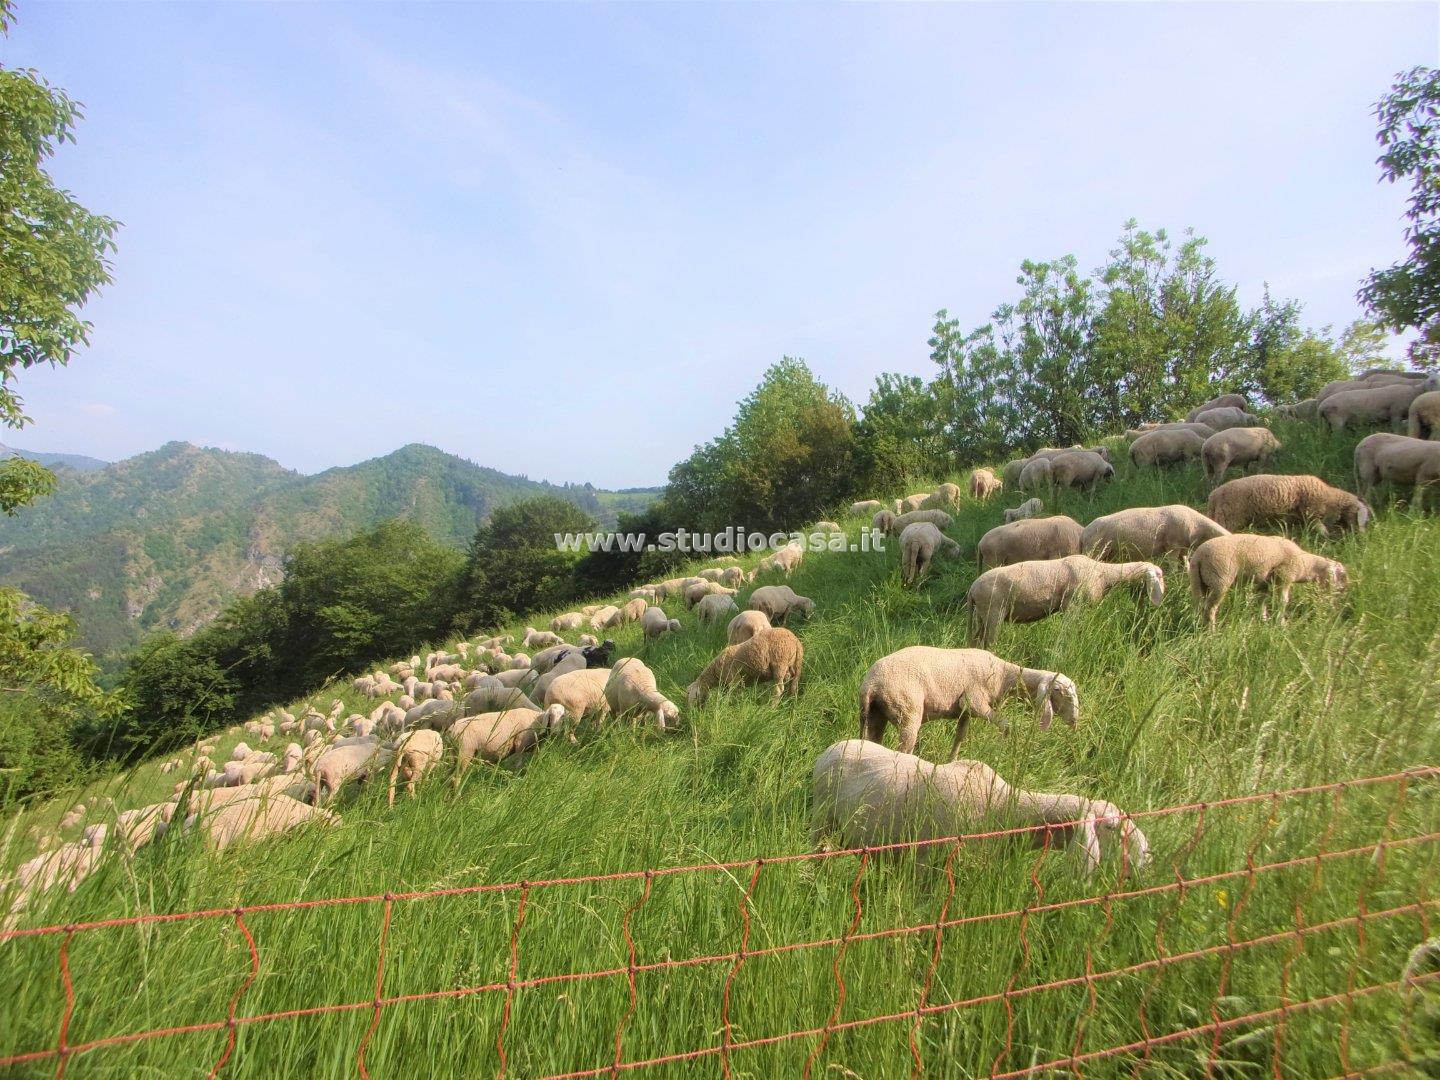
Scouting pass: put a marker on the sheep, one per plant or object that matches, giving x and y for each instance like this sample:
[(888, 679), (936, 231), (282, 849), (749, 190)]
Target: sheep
[(579, 693), (865, 506), (67, 864), (574, 661), (918, 545), (883, 521), (939, 518), (1269, 500), (1227, 417), (644, 592), (571, 620), (1224, 401), (587, 640), (984, 483), (416, 753), (1268, 561), (240, 753), (1028, 591), (495, 736), (492, 697), (777, 601), (920, 683), (1029, 539), (404, 702), (864, 794), (1083, 469), (785, 560), (697, 592), (1036, 475), (632, 686), (654, 623), (911, 502), (732, 577), (772, 656), (745, 626), (946, 496), (1028, 509), (545, 659), (605, 617), (715, 606), (540, 638), (1398, 459), (826, 527), (632, 610), (511, 677), (1148, 532), (255, 819), (293, 756), (1374, 404), (1237, 446), (136, 828), (1010, 473), (340, 763), (1166, 447), (590, 609), (435, 714), (1423, 416)]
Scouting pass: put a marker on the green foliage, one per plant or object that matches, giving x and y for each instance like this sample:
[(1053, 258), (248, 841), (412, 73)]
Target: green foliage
[(53, 252), (513, 566), (788, 456), (1407, 295), (175, 693), (901, 434), (22, 481)]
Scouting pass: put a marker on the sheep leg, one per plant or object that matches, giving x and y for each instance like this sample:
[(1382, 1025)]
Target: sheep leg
[(909, 736), (962, 722), (1284, 602)]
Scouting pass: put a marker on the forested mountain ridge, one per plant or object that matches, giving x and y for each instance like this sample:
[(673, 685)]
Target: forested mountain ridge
[(166, 538)]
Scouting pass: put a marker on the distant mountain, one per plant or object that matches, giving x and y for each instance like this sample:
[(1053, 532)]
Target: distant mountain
[(167, 538), (78, 462)]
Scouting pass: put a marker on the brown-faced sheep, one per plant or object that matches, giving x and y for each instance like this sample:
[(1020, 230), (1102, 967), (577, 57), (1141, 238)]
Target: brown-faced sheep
[(1274, 501), (773, 656), (1270, 562)]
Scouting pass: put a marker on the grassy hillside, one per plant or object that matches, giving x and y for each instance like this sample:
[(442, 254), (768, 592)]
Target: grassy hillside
[(166, 539), (1171, 714)]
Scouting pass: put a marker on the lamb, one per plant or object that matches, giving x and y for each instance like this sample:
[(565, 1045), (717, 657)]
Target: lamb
[(1227, 417), (1036, 475), (495, 736), (571, 620), (911, 502), (745, 626), (1083, 469), (1237, 446), (540, 638), (772, 656), (1423, 417), (1224, 401), (654, 623), (920, 683), (255, 819), (1166, 446), (579, 693), (492, 697), (1374, 404), (784, 560), (1268, 561), (340, 763), (918, 545), (1028, 591), (1148, 532), (1026, 540), (946, 496), (777, 601), (1398, 459), (984, 483), (415, 755), (1028, 509), (1270, 500), (606, 617), (715, 606), (697, 592), (864, 794), (865, 506), (632, 686)]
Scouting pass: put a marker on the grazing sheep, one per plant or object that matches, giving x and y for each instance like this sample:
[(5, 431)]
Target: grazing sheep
[(1082, 469), (646, 592), (632, 686), (340, 763), (654, 623), (545, 659), (633, 610), (922, 683), (1166, 446), (745, 626), (574, 661), (255, 819), (416, 753), (697, 592), (1227, 417), (777, 601), (1029, 539), (865, 506), (495, 736), (494, 696), (1398, 459), (911, 502), (944, 497), (1010, 473), (539, 638), (1036, 475), (1267, 561), (826, 527), (984, 483), (1148, 532), (1374, 404), (866, 795), (785, 560), (434, 713), (606, 617), (1270, 500), (579, 693), (715, 606), (1224, 401), (1240, 446), (1423, 417), (883, 521), (571, 620), (67, 864), (772, 656), (586, 641), (519, 661), (918, 545), (1028, 591), (939, 518), (1028, 509)]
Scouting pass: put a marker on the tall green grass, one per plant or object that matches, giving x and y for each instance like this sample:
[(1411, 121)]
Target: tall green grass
[(1173, 714)]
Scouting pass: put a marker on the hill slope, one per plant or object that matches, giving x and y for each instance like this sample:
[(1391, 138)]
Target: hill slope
[(78, 462), (166, 538)]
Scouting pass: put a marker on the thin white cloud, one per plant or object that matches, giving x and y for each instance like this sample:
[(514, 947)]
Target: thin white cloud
[(98, 408)]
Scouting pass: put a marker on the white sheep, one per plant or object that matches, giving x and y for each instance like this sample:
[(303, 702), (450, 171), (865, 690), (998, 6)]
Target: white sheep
[(435, 714), (654, 623), (1028, 591), (777, 601), (1423, 417), (911, 502), (1029, 539), (571, 620), (921, 683), (605, 617), (864, 794), (416, 753), (1267, 499), (1267, 561), (1028, 509), (701, 589), (1036, 475), (745, 626), (785, 560), (1083, 469), (1224, 401), (918, 545), (579, 694), (496, 736), (1148, 532), (1227, 416), (337, 764), (494, 696), (715, 606), (255, 819), (865, 506), (947, 495), (1398, 459), (1374, 404), (1167, 446), (573, 661), (773, 656), (984, 483), (1238, 446), (632, 686), (540, 638)]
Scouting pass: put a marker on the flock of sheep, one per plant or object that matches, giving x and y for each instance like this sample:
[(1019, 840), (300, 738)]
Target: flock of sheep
[(496, 706)]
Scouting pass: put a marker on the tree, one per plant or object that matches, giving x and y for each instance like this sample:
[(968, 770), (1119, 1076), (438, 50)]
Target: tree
[(1287, 362), (514, 566), (901, 434), (54, 254), (1407, 294), (176, 694)]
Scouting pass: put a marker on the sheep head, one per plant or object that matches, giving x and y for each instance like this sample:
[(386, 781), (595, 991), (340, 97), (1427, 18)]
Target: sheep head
[(1056, 691), (1108, 823), (695, 694), (1155, 583)]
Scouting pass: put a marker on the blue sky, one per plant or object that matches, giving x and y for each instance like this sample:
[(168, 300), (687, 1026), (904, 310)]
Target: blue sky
[(563, 240)]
